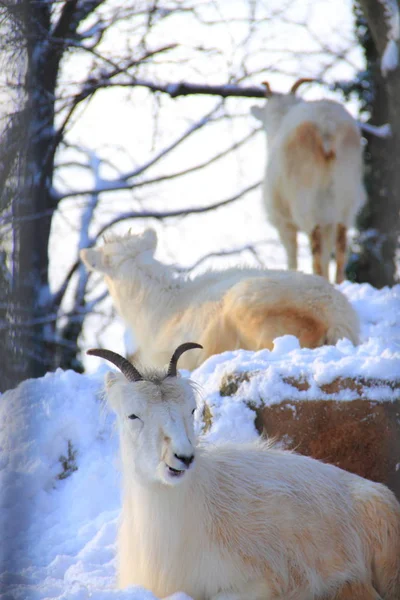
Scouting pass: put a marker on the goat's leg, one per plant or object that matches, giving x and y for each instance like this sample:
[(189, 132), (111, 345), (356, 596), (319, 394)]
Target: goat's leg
[(288, 237), (327, 240), (340, 248), (316, 249)]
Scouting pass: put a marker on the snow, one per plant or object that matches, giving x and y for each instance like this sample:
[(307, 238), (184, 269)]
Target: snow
[(390, 57), (59, 473), (381, 131)]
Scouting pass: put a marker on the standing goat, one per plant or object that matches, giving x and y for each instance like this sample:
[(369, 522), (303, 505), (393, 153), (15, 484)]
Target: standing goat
[(240, 521), (313, 180), (226, 310)]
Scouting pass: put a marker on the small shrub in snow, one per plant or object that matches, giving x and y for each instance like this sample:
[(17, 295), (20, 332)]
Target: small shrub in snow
[(68, 462)]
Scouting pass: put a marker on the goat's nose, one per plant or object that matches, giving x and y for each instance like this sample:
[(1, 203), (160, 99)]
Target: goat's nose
[(187, 460)]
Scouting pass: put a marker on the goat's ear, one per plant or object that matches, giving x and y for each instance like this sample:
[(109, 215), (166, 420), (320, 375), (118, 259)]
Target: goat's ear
[(93, 258), (110, 379), (258, 112)]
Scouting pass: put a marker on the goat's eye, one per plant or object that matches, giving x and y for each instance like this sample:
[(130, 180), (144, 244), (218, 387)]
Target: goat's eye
[(193, 411), (132, 416)]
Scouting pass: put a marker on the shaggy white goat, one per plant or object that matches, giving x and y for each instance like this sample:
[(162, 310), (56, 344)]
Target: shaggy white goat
[(226, 310), (240, 521), (313, 180)]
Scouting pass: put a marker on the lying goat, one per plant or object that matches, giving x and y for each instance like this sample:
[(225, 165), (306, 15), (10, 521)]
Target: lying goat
[(225, 310), (313, 180), (239, 521)]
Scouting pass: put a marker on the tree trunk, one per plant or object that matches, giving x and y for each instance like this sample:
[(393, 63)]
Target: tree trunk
[(33, 204), (30, 342), (375, 259)]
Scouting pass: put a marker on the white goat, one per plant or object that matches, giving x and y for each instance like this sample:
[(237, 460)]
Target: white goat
[(236, 308), (313, 180), (240, 522)]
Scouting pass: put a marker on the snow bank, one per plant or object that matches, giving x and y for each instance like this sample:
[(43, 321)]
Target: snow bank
[(59, 475)]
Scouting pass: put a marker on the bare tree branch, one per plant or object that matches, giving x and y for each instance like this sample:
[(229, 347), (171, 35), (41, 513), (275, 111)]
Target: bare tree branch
[(75, 14), (92, 85), (223, 253), (183, 88), (176, 213), (120, 183)]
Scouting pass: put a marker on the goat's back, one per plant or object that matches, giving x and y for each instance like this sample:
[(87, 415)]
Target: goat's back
[(269, 503), (315, 166), (327, 115), (249, 308), (306, 298)]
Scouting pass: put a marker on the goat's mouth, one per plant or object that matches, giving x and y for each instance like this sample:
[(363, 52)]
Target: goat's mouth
[(175, 472)]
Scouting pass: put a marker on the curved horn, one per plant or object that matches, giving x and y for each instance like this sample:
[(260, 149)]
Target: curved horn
[(268, 91), (180, 350), (126, 368), (300, 82)]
